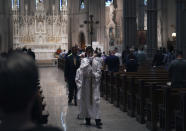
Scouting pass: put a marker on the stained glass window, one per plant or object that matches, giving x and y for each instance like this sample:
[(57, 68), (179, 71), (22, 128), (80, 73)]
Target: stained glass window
[(145, 2), (108, 2), (82, 4), (62, 3), (15, 4)]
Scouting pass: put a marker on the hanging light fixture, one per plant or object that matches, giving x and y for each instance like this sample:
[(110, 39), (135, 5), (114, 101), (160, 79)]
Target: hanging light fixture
[(174, 36)]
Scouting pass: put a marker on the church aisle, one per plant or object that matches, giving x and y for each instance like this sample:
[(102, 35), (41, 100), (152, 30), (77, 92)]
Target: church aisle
[(62, 115), (53, 85)]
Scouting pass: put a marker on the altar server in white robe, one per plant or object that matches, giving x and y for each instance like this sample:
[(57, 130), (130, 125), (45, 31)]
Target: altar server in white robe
[(88, 78)]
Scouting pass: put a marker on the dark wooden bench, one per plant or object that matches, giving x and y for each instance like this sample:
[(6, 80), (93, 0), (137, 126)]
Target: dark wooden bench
[(180, 115), (171, 99), (151, 107), (39, 115), (123, 93), (129, 85), (133, 89), (114, 86), (143, 92), (161, 108), (117, 89)]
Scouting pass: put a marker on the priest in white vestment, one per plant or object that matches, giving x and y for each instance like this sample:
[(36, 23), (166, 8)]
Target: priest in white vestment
[(88, 78)]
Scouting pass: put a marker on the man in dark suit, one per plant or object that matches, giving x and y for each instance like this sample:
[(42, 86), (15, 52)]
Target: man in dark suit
[(112, 62), (71, 65), (177, 71), (132, 62)]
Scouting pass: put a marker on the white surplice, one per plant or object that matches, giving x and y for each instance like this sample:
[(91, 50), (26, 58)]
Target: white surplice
[(88, 78)]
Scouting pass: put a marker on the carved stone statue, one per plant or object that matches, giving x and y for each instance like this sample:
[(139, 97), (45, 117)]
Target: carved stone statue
[(40, 6), (111, 26)]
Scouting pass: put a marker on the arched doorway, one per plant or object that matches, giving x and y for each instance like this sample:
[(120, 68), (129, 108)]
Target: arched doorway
[(82, 40)]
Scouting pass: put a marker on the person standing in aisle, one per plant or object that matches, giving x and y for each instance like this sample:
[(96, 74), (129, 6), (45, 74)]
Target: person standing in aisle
[(71, 65), (88, 81)]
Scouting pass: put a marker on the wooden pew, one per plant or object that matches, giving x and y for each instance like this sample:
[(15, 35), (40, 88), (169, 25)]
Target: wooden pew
[(124, 88), (39, 115), (167, 110), (116, 89), (164, 102), (116, 93), (143, 92), (151, 107), (123, 93), (111, 84), (180, 115), (108, 84), (132, 90)]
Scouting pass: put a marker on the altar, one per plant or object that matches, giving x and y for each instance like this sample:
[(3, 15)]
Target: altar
[(42, 32)]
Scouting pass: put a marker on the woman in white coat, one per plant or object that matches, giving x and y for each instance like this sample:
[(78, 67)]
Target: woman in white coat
[(88, 78)]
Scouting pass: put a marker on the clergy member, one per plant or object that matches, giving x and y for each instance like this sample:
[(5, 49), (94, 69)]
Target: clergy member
[(88, 78)]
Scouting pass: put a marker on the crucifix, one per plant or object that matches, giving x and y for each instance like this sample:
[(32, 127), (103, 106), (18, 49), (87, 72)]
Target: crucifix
[(91, 23)]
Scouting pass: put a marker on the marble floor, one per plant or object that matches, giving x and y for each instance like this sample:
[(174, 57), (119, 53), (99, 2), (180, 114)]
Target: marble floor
[(64, 116)]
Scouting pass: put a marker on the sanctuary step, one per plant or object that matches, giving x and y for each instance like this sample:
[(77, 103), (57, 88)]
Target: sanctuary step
[(47, 62)]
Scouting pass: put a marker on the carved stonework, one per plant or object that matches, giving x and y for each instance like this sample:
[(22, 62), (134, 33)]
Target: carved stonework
[(40, 29), (111, 26)]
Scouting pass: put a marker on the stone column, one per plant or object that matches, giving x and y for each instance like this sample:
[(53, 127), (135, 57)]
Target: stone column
[(151, 27), (29, 6), (22, 7), (69, 32), (32, 7), (141, 14), (130, 26), (181, 26), (6, 36)]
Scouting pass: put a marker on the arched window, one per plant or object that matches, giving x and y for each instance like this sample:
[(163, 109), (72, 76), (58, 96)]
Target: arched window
[(15, 4), (145, 2), (62, 3), (108, 2), (82, 4)]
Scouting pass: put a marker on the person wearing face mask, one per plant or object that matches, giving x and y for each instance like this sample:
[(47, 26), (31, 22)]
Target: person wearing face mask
[(88, 78)]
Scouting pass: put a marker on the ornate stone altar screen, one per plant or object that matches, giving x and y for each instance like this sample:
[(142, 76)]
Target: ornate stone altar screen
[(43, 33)]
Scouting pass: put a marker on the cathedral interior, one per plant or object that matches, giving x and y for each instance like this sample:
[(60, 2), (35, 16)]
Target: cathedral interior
[(48, 25)]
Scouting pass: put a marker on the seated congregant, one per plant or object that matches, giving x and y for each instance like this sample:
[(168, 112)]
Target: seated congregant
[(18, 91)]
